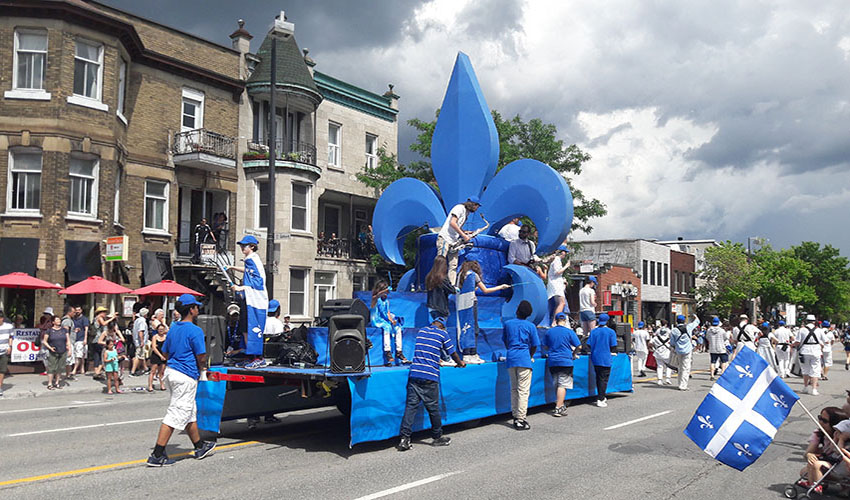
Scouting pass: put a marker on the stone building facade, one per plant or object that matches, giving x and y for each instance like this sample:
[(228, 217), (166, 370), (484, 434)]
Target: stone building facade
[(326, 131), (110, 125)]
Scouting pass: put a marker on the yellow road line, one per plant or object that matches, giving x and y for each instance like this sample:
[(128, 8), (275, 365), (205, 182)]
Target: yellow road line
[(109, 466)]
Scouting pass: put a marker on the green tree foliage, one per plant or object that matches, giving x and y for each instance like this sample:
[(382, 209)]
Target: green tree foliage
[(729, 278), (782, 278), (830, 279)]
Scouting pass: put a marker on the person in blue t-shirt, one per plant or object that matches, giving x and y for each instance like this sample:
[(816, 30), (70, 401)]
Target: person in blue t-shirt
[(521, 340), (185, 348), (559, 344), (423, 382), (601, 340)]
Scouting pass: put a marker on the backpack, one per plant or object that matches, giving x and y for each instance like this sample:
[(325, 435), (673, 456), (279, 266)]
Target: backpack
[(296, 352)]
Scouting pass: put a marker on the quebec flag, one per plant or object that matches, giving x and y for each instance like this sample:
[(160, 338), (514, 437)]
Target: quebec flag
[(739, 417)]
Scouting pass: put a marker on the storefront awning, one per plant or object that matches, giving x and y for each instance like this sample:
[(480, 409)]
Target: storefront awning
[(82, 259), (156, 266), (19, 255)]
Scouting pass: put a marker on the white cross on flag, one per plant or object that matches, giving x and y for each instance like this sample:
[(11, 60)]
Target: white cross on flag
[(739, 417)]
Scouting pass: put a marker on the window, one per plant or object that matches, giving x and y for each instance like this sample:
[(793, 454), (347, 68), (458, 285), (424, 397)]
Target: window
[(325, 289), (645, 273), (88, 60), (371, 151), (24, 192), (83, 199), (262, 214), (300, 207), (682, 284), (30, 59), (298, 292), (358, 283), (675, 281), (334, 136), (116, 208), (122, 87), (658, 272), (651, 273), (156, 205), (666, 275), (193, 110)]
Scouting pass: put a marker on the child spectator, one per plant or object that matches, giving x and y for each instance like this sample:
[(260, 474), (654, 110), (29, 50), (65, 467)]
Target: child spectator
[(110, 365), (520, 338), (559, 343), (385, 320), (820, 452)]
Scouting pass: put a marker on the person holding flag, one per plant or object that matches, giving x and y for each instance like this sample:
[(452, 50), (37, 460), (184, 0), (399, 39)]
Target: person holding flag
[(469, 279), (256, 299)]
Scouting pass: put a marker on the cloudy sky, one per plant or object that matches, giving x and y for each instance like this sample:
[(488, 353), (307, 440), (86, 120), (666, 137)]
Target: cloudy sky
[(705, 119)]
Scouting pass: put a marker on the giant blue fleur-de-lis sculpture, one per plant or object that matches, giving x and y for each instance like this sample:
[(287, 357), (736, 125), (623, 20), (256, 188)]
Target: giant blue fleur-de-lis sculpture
[(464, 157)]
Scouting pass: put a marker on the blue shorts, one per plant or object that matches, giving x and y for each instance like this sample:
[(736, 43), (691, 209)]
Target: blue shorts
[(722, 357), (588, 316)]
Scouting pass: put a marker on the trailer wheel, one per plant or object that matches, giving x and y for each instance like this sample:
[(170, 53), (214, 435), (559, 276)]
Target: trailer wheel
[(790, 491)]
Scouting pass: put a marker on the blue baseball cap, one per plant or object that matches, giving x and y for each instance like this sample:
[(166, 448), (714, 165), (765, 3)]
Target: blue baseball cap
[(825, 323), (560, 316), (187, 299), (641, 324), (680, 318), (474, 199), (593, 279), (765, 325), (781, 323), (248, 240), (274, 305), (715, 321), (440, 319), (563, 248), (603, 318)]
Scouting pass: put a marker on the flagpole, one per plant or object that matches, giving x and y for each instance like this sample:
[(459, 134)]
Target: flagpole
[(815, 420)]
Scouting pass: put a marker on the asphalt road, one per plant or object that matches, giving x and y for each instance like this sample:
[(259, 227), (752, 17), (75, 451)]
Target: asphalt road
[(94, 446)]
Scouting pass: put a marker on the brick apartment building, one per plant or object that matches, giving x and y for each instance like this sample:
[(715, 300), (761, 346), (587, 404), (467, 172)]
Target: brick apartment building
[(326, 131), (110, 125), (618, 289), (682, 283)]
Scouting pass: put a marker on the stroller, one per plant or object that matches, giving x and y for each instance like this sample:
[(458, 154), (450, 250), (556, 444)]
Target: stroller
[(791, 490)]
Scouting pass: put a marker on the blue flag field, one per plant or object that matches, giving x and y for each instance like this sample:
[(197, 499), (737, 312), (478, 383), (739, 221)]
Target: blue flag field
[(739, 417)]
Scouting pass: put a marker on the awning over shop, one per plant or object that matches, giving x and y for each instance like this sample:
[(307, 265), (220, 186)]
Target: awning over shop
[(82, 259), (18, 255), (156, 266)]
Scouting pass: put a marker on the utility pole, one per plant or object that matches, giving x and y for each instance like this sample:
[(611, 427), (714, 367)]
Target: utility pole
[(271, 142)]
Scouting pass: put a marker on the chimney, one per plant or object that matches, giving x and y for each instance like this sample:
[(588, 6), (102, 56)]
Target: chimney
[(241, 39), (391, 96)]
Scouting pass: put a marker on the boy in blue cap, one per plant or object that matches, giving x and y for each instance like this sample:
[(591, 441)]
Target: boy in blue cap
[(559, 344), (256, 299), (423, 381), (718, 339), (185, 348), (601, 340)]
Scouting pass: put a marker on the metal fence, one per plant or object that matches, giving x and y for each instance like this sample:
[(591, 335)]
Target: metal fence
[(203, 141), (298, 151)]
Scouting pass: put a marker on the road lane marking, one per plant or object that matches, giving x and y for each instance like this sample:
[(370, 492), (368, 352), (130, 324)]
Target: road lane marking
[(108, 424), (630, 422), (77, 405), (403, 487), (643, 381), (53, 475)]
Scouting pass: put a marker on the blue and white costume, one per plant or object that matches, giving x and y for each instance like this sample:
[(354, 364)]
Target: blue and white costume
[(467, 305), (257, 302), (381, 319)]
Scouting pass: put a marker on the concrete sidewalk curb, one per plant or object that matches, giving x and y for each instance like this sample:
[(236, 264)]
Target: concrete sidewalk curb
[(34, 386)]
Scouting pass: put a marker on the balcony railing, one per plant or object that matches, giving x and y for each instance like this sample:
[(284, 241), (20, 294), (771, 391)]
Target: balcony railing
[(203, 141), (301, 152), (345, 248)]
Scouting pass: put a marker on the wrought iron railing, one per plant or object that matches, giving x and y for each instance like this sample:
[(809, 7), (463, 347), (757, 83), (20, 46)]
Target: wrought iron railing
[(298, 151), (344, 248), (203, 141)]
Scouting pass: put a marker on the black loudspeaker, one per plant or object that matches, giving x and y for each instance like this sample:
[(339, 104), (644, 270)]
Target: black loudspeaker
[(624, 337), (347, 343), (214, 331), (333, 307)]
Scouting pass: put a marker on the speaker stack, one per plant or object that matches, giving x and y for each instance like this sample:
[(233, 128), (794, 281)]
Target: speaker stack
[(214, 331), (333, 307), (347, 343)]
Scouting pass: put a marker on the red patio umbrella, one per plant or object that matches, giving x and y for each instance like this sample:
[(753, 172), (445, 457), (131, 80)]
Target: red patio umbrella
[(24, 281), (95, 284), (166, 288)]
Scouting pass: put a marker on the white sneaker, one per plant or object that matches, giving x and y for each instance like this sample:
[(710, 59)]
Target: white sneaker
[(660, 382), (601, 404), (815, 392), (805, 389), (668, 382), (447, 362), (472, 359)]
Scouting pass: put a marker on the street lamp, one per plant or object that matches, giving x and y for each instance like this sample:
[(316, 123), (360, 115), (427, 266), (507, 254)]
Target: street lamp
[(280, 27), (757, 240)]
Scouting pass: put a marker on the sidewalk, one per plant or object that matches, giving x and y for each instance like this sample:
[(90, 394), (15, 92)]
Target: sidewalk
[(31, 385)]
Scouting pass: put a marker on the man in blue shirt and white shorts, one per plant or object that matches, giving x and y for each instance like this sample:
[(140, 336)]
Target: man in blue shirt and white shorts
[(185, 348), (560, 343), (423, 383)]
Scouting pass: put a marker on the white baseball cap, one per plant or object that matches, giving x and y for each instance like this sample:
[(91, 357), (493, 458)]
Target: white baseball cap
[(810, 317), (48, 310)]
